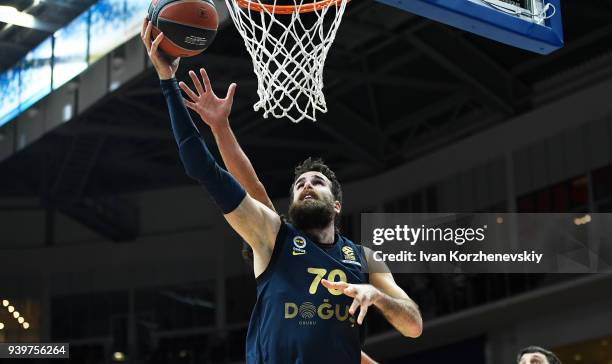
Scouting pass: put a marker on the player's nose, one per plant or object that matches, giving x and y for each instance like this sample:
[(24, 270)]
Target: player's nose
[(308, 185)]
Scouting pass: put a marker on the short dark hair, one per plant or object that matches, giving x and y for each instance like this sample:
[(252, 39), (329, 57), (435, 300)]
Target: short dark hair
[(552, 358), (317, 165)]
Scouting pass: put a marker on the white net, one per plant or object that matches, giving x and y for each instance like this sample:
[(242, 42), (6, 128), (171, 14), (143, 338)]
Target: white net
[(288, 53)]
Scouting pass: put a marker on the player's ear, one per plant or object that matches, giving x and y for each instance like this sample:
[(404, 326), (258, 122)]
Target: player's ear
[(337, 207)]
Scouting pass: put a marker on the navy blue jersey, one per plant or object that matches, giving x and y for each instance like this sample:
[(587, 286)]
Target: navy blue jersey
[(296, 319)]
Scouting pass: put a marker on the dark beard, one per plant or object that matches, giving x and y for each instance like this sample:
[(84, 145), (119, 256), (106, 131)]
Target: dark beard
[(311, 214)]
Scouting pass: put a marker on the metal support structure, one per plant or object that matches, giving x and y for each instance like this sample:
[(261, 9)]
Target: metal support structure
[(414, 119), (491, 81)]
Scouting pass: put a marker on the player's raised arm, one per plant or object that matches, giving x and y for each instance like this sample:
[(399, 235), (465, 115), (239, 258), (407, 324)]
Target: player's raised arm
[(256, 223), (233, 156)]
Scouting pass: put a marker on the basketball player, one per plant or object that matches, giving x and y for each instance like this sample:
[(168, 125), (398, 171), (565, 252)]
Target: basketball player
[(239, 166), (536, 355), (310, 280)]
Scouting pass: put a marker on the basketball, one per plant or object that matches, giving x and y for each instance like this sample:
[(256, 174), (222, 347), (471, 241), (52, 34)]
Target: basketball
[(189, 26)]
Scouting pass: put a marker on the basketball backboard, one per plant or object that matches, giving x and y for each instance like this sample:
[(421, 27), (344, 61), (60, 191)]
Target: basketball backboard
[(534, 25)]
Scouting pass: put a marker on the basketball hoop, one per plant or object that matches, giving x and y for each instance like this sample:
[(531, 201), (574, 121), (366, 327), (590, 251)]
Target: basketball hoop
[(287, 9), (288, 55)]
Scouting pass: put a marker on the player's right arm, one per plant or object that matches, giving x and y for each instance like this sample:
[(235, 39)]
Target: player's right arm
[(257, 224)]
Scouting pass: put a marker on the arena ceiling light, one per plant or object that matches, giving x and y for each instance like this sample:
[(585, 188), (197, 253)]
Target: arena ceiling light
[(118, 356), (11, 15)]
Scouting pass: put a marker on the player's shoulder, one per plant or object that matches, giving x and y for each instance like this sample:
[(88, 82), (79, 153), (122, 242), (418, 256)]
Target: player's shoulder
[(365, 253), (352, 250), (289, 232), (355, 245), (290, 229)]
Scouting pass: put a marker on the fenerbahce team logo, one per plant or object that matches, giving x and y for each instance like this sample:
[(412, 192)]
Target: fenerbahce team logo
[(307, 314), (299, 245)]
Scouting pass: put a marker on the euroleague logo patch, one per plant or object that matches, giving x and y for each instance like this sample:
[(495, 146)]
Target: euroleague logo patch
[(349, 256), (299, 243), (348, 253)]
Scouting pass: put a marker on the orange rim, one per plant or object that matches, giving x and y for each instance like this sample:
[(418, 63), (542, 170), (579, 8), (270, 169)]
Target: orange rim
[(287, 9)]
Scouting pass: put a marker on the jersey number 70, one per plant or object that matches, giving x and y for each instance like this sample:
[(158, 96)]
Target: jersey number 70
[(332, 277)]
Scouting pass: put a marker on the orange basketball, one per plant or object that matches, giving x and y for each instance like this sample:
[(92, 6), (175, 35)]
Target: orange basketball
[(189, 26)]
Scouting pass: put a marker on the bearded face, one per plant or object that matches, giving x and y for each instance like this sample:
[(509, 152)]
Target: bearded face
[(312, 213), (313, 205)]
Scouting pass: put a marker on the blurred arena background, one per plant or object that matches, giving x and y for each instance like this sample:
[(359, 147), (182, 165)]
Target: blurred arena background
[(106, 244)]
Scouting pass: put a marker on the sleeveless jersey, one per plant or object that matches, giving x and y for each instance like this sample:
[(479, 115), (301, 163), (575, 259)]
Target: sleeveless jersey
[(296, 320)]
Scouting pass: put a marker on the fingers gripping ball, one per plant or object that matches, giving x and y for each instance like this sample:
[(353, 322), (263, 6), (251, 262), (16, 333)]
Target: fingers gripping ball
[(189, 26)]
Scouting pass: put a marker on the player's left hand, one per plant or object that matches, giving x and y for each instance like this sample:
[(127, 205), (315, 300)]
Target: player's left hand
[(364, 295), (213, 110)]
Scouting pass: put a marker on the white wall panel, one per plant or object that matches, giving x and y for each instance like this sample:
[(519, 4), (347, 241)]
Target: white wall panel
[(31, 124), (61, 105), (93, 84), (126, 62)]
